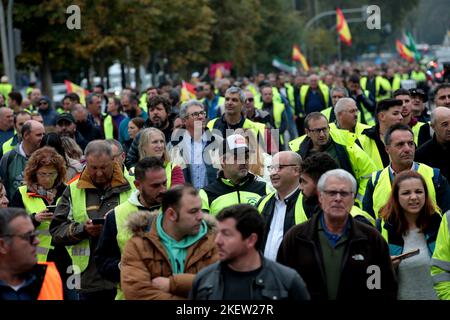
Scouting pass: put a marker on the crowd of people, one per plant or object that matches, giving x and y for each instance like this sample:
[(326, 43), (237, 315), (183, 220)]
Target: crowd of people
[(322, 186)]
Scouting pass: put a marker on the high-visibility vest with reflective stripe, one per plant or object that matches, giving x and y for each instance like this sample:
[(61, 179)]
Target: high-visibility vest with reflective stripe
[(7, 145), (440, 262), (381, 182), (122, 212), (35, 205), (416, 130), (81, 251), (52, 288), (299, 212), (379, 82), (108, 127), (323, 88)]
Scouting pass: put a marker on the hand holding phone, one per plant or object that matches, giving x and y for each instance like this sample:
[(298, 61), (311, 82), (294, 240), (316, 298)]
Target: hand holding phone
[(97, 221), (51, 208), (406, 255)]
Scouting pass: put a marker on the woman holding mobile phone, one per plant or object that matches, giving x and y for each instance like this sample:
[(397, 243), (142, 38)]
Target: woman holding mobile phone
[(44, 177), (408, 222)]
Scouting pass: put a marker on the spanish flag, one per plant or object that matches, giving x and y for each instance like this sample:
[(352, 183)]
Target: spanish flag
[(187, 91), (404, 52), (298, 56), (342, 28), (80, 91)]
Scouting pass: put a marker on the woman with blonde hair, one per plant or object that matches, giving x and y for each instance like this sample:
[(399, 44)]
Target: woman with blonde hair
[(152, 143), (408, 222)]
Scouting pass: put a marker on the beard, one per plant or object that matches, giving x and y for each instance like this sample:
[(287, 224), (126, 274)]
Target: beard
[(159, 123)]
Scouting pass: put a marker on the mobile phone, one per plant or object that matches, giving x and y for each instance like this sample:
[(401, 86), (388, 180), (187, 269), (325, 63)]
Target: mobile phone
[(406, 255), (98, 221), (51, 208)]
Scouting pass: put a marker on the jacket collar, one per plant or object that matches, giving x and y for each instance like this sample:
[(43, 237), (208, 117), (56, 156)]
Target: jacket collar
[(118, 179), (221, 178)]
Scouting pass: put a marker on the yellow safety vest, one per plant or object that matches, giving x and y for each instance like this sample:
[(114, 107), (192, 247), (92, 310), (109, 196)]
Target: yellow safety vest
[(370, 147), (356, 211), (143, 102), (416, 129), (122, 212), (379, 82), (256, 127), (323, 88), (169, 167), (381, 182), (419, 76), (440, 262), (299, 212), (35, 205), (7, 145), (81, 251), (108, 127), (396, 82)]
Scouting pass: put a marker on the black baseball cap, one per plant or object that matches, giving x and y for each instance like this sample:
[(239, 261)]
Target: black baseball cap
[(418, 92), (65, 116)]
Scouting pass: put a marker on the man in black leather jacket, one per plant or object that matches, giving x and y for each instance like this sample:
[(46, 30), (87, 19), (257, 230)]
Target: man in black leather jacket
[(243, 273)]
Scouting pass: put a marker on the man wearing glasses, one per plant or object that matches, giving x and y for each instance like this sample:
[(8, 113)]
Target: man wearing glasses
[(349, 157), (190, 147), (21, 278), (279, 208), (336, 254)]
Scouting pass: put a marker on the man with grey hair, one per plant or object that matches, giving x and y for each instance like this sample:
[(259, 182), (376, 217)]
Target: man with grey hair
[(80, 215), (191, 148), (337, 93), (103, 122), (85, 127), (233, 118), (279, 208), (336, 254), (13, 162), (436, 152), (347, 124)]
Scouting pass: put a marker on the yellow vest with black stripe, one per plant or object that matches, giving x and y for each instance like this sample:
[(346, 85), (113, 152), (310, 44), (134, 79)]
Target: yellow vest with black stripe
[(379, 82), (440, 262), (81, 251), (299, 212), (36, 205), (108, 127), (381, 182), (416, 130), (323, 88)]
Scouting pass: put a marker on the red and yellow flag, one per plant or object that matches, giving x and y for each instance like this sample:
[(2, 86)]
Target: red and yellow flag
[(80, 91), (342, 28), (298, 56), (404, 52), (187, 91)]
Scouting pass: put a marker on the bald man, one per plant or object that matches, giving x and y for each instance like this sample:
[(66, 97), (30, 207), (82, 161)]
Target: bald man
[(278, 207), (436, 152), (13, 162)]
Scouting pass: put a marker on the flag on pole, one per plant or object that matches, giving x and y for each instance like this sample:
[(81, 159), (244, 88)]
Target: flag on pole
[(80, 91), (404, 52), (342, 28), (411, 45), (187, 91), (298, 56)]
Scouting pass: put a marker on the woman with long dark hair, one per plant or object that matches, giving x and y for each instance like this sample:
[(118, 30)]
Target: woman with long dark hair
[(409, 221)]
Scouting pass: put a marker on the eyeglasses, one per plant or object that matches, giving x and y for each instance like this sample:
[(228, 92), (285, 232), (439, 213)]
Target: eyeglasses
[(249, 100), (280, 167), (334, 193), (47, 174), (197, 114), (29, 236), (318, 130)]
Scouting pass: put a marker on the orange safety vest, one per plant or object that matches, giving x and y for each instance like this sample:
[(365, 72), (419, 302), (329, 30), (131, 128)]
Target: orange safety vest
[(52, 288)]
